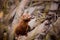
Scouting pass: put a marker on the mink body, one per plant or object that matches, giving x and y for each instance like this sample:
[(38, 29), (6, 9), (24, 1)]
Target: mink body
[(23, 26)]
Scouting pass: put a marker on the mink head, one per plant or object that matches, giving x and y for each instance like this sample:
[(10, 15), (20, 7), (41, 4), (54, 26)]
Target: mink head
[(26, 18)]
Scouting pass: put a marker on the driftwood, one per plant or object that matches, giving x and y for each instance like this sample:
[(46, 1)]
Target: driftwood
[(37, 30), (19, 12)]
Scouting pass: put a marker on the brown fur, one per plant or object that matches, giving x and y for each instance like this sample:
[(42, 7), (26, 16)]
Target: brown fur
[(23, 26)]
